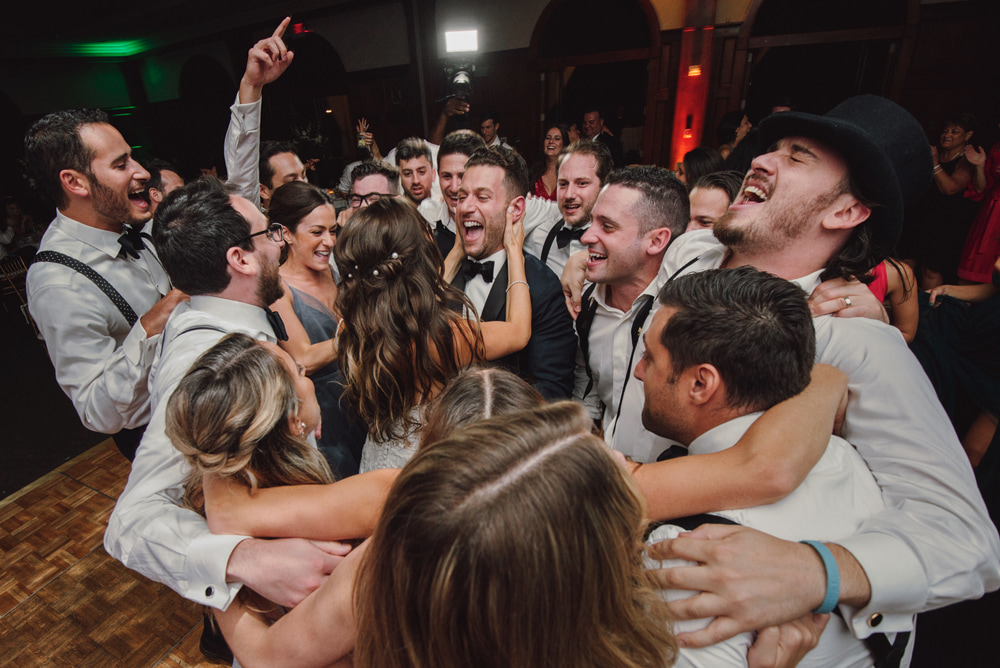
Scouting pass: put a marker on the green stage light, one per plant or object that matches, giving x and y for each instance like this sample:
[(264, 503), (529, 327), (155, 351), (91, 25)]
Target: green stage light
[(116, 49)]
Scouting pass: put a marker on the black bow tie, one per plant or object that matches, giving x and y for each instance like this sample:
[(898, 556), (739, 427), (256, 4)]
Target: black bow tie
[(470, 268), (438, 226), (567, 234), (131, 241), (277, 324)]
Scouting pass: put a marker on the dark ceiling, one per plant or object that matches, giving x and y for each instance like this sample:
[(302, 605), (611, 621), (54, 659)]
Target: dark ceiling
[(53, 28)]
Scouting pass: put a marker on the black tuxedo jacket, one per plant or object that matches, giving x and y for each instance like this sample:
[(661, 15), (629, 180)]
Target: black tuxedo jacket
[(549, 359)]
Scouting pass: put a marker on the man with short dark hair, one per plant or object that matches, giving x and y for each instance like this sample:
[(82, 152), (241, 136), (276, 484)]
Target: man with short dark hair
[(442, 213), (593, 129), (96, 271), (583, 167), (370, 180), (279, 164), (489, 128), (637, 214), (704, 390), (827, 201), (221, 248), (416, 169), (163, 179), (495, 179)]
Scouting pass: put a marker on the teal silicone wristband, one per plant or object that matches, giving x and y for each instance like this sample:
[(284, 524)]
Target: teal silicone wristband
[(832, 576)]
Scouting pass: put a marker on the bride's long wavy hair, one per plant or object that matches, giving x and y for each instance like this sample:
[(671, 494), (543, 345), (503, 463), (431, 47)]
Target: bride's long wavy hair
[(398, 340)]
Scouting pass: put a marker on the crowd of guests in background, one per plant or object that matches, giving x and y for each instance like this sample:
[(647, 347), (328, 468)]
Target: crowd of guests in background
[(494, 373)]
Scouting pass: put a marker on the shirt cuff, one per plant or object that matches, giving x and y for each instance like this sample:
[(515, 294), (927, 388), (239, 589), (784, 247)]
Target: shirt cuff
[(208, 558), (898, 583), (139, 348)]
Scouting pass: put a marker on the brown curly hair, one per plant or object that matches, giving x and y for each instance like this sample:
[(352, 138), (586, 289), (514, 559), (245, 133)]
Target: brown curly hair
[(398, 342)]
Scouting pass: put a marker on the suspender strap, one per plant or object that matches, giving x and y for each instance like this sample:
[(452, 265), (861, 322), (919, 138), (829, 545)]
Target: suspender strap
[(583, 322), (195, 328), (97, 279), (637, 327), (547, 246)]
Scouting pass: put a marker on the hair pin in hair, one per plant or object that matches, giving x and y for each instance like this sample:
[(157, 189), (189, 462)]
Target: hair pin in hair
[(374, 272), (395, 255)]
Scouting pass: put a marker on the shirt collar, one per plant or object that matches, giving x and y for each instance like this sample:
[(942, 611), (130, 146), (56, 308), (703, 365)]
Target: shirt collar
[(723, 436), (653, 289), (103, 240), (239, 313), (497, 258)]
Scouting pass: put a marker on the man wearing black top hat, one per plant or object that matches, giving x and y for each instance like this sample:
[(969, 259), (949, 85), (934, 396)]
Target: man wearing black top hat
[(827, 201)]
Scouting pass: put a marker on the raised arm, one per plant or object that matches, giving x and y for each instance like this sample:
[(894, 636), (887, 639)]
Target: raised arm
[(345, 510), (454, 106), (266, 61), (951, 184), (767, 464), (977, 158), (511, 335)]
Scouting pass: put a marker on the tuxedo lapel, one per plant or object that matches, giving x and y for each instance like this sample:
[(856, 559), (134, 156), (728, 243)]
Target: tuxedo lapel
[(496, 303)]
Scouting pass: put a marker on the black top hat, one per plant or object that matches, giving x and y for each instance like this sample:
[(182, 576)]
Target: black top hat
[(886, 150)]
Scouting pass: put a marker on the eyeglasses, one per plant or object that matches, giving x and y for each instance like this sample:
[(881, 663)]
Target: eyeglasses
[(358, 200), (274, 232)]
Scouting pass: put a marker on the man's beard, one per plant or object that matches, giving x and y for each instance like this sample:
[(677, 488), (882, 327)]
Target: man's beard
[(110, 206), (773, 228), (269, 288)]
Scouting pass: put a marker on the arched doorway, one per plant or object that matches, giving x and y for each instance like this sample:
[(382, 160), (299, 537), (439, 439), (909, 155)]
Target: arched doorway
[(309, 105), (586, 54)]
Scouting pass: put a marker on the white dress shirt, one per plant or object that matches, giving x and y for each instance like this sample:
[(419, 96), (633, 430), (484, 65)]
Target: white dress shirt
[(837, 496), (477, 289), (934, 544), (101, 361), (149, 531), (609, 348), (544, 215)]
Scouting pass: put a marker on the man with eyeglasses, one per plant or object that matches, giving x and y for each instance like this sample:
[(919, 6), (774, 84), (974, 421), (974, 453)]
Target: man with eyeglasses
[(370, 180), (219, 249)]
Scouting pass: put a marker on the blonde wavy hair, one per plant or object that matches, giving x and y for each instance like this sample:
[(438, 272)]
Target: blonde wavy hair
[(398, 339), (230, 416), (516, 541)]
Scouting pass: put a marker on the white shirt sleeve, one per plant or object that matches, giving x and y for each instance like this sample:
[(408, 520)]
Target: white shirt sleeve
[(105, 381), (149, 530), (934, 544), (242, 149)]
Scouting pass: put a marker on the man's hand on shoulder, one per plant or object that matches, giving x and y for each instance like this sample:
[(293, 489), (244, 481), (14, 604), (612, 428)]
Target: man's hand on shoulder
[(154, 320)]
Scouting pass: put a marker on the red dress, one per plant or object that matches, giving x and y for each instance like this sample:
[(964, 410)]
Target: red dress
[(881, 283), (982, 246), (540, 191)]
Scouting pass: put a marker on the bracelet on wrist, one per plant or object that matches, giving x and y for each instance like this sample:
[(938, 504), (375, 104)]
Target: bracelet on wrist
[(832, 576), (513, 283)]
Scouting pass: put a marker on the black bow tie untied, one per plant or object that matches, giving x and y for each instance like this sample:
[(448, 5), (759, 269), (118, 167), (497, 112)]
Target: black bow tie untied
[(470, 268), (277, 324), (131, 241), (567, 234)]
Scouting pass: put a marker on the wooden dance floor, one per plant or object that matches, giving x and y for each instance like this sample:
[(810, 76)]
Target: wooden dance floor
[(63, 600)]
